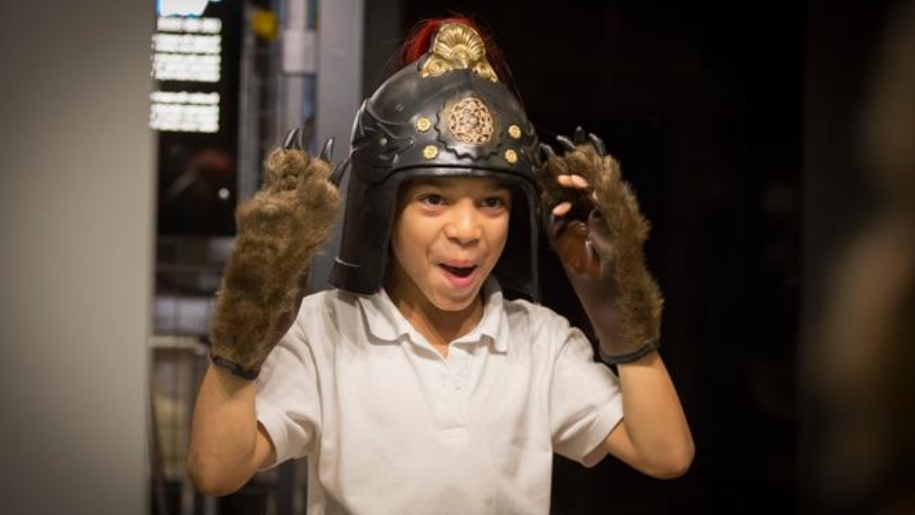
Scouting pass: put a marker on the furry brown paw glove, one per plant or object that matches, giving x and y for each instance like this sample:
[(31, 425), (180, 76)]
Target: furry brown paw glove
[(594, 224), (278, 231)]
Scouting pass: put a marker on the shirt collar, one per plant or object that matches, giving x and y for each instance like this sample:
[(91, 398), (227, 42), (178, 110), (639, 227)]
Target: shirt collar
[(385, 321)]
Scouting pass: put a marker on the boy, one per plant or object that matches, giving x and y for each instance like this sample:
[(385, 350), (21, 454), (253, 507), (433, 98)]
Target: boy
[(415, 386)]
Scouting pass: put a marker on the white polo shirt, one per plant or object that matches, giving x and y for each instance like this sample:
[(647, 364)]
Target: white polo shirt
[(392, 427)]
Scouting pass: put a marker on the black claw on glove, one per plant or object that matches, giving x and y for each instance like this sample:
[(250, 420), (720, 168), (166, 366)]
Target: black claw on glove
[(293, 139), (327, 153), (336, 177)]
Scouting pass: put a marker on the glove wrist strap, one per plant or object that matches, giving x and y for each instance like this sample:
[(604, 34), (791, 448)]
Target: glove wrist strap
[(618, 359), (248, 374)]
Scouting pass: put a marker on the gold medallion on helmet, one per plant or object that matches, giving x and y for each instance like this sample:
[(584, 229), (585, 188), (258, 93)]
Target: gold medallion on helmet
[(430, 151), (423, 124), (470, 121)]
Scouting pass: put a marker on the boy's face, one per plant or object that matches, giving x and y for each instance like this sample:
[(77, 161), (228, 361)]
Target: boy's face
[(447, 237)]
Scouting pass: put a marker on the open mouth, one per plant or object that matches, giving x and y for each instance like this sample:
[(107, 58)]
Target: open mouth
[(459, 271)]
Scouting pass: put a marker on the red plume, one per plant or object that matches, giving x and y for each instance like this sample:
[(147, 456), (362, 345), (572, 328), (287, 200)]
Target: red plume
[(419, 41)]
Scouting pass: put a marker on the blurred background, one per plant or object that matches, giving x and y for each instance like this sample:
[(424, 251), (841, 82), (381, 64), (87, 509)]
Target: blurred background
[(771, 145)]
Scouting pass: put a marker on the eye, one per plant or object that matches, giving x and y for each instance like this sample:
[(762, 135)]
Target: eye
[(496, 202), (431, 199)]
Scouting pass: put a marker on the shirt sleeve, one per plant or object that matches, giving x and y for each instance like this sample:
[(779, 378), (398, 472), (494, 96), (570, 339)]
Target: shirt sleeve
[(287, 401), (585, 398)]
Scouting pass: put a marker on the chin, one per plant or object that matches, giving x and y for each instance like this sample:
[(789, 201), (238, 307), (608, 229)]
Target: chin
[(456, 304)]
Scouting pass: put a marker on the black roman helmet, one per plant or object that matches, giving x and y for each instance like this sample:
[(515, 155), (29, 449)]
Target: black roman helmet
[(446, 114)]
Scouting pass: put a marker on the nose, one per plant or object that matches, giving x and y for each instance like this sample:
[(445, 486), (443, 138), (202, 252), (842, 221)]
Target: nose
[(463, 226)]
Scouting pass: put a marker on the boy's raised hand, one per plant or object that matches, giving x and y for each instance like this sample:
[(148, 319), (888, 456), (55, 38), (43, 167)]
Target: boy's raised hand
[(595, 225), (278, 231)]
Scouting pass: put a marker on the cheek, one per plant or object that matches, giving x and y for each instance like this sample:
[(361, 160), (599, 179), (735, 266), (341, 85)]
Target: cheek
[(410, 242), (415, 241), (499, 235)]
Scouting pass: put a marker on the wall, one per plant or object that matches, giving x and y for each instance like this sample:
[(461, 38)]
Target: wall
[(76, 175)]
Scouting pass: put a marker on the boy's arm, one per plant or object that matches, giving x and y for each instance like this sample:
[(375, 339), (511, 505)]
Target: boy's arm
[(654, 436), (227, 445), (279, 230), (595, 225)]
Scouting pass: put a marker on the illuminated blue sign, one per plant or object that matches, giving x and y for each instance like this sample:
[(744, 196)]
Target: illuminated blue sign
[(182, 7)]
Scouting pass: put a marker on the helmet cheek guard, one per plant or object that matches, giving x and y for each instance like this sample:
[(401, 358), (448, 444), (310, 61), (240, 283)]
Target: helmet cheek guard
[(445, 115)]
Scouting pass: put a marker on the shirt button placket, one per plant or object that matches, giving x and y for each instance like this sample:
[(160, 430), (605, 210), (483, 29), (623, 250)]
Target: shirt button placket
[(459, 368)]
